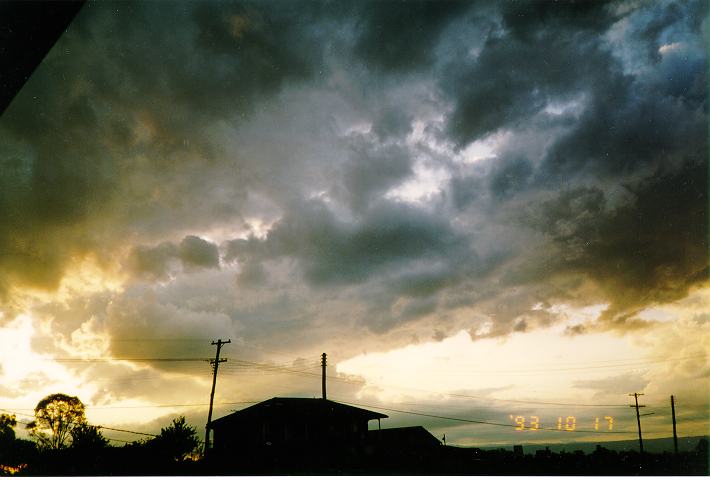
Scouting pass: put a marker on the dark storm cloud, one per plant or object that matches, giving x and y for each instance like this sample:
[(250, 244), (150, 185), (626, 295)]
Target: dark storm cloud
[(251, 274), (392, 123), (258, 46), (532, 60), (152, 262), (667, 21), (155, 262), (653, 123), (331, 251), (402, 36), (510, 177), (116, 114), (652, 249), (465, 189), (372, 170), (198, 252), (526, 19), (300, 120), (426, 282), (632, 215)]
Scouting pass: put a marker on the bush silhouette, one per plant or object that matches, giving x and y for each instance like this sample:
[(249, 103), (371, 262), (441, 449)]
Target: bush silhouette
[(175, 442), (87, 437)]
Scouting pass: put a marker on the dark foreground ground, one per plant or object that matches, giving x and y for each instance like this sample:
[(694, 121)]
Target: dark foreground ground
[(385, 461)]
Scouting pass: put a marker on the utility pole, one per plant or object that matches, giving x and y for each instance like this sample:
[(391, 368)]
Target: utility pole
[(675, 436), (638, 417), (216, 363), (323, 363)]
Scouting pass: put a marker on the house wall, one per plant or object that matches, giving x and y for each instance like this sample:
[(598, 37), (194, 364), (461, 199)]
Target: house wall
[(260, 433)]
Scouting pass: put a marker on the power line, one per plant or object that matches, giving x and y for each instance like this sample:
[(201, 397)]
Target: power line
[(96, 426), (159, 339), (250, 345), (245, 363), (468, 420), (116, 359), (125, 431), (362, 382), (571, 368), (107, 407), (279, 368), (111, 407)]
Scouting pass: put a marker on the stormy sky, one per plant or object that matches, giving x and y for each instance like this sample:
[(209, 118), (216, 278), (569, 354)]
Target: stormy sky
[(471, 206)]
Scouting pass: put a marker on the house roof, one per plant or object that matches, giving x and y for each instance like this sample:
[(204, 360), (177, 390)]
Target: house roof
[(298, 407)]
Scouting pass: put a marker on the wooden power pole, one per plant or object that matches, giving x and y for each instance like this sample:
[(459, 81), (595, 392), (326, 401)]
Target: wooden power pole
[(675, 435), (216, 363), (638, 417), (323, 364)]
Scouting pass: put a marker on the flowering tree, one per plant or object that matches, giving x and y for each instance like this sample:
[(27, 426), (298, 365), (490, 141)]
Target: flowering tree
[(56, 416)]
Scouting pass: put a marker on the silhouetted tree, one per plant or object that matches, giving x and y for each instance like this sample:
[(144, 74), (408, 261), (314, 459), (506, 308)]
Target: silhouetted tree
[(87, 437), (7, 428), (13, 451), (175, 442), (56, 416), (7, 435)]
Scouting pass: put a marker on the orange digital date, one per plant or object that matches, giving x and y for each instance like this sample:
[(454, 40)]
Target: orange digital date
[(568, 423)]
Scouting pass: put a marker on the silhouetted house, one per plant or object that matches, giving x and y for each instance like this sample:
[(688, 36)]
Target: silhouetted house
[(292, 429)]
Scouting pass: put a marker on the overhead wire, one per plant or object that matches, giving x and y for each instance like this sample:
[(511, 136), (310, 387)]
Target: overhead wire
[(106, 407), (461, 395), (380, 407), (468, 420), (544, 371), (102, 427), (119, 359), (107, 438), (239, 367)]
